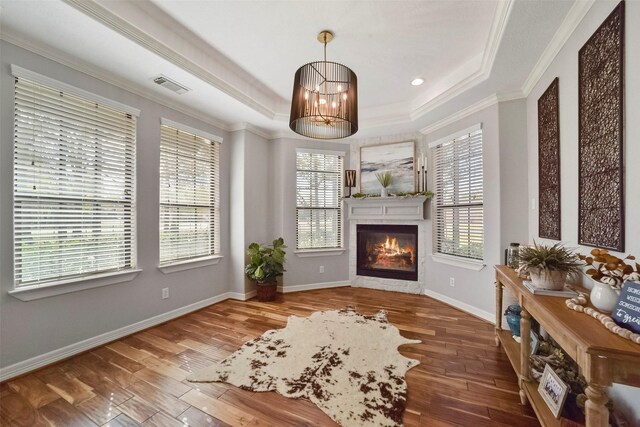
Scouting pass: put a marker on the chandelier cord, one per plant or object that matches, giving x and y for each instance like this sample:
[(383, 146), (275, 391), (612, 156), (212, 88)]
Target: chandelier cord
[(324, 84)]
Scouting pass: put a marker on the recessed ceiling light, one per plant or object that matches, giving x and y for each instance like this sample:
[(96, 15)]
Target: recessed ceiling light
[(417, 82)]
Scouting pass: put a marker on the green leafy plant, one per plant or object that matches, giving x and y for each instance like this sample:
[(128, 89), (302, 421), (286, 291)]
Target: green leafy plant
[(552, 258), (266, 261), (358, 195), (384, 178), (428, 194)]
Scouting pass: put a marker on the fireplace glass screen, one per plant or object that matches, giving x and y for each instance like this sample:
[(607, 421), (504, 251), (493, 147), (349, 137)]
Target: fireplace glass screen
[(388, 251)]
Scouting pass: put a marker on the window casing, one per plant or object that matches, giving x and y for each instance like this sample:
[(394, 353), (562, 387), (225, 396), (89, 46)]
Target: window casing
[(318, 199), (458, 201), (74, 184), (189, 195)]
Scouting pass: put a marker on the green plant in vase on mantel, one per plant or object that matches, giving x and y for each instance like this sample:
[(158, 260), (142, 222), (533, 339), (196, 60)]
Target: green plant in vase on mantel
[(384, 178), (548, 266)]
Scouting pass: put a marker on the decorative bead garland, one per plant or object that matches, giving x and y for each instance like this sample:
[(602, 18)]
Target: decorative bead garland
[(578, 304)]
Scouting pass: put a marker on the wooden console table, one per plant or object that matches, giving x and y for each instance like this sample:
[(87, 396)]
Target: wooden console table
[(603, 357)]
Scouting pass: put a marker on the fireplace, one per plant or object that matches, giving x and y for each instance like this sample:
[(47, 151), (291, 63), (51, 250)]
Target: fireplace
[(387, 251)]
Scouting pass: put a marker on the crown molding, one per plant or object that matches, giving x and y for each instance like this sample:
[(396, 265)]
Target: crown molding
[(289, 134), (575, 15), (248, 127), (490, 51), (511, 96), (473, 108), (498, 26), (101, 14), (107, 77), (397, 119)]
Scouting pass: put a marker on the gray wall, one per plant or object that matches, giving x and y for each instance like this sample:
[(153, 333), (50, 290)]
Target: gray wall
[(29, 329), (565, 66), (514, 211), (252, 189), (237, 212)]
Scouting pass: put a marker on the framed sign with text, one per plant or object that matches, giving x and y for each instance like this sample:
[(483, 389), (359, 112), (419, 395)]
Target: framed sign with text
[(626, 313)]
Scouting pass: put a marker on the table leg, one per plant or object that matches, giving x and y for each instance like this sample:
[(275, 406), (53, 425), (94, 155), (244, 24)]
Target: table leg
[(525, 349), (499, 292), (596, 413)]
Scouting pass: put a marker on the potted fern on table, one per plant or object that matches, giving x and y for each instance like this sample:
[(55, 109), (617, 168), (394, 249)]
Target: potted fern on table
[(266, 263), (548, 266)]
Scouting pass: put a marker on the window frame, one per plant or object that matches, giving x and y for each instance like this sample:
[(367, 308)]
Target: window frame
[(327, 250), (45, 287), (446, 257), (180, 264)]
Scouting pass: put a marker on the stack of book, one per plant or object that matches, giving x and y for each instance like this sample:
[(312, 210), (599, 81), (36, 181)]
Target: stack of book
[(567, 292)]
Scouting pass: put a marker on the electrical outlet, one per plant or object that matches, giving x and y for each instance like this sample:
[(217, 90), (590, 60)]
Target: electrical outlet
[(322, 269), (165, 293), (452, 281)]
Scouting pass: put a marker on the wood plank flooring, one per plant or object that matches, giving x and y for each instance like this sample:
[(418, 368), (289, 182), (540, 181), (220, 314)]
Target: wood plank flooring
[(463, 379)]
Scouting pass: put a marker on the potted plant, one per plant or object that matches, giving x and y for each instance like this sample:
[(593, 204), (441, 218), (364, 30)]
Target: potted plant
[(266, 263), (608, 273), (548, 266), (384, 178)]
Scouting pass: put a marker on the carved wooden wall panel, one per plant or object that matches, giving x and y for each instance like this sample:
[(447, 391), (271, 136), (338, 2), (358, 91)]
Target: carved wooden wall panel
[(600, 157), (549, 163)]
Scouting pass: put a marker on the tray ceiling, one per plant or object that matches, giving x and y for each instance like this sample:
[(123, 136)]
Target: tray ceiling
[(239, 57)]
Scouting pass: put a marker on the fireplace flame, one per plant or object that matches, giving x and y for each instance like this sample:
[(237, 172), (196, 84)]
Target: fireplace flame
[(391, 246)]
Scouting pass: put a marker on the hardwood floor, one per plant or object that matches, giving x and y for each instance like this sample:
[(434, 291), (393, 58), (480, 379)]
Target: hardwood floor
[(463, 379)]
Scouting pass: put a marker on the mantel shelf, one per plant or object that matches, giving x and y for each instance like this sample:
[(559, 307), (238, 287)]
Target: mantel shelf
[(393, 208)]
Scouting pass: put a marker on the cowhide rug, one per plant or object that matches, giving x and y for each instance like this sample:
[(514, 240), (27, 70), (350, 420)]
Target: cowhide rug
[(346, 363)]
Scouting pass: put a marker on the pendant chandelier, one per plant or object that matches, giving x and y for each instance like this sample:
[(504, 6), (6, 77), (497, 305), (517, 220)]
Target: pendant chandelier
[(324, 104)]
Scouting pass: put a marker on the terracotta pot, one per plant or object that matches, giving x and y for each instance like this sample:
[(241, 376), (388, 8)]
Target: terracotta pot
[(267, 291), (603, 297), (552, 280)]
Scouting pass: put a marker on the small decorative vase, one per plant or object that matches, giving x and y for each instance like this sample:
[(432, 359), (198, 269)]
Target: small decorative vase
[(384, 192), (542, 278), (513, 318), (603, 297)]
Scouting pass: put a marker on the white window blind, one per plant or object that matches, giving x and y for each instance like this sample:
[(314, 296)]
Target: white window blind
[(458, 225), (189, 196), (318, 195), (74, 182)]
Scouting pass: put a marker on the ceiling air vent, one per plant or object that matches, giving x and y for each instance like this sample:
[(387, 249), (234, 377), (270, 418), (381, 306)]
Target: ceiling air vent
[(172, 85)]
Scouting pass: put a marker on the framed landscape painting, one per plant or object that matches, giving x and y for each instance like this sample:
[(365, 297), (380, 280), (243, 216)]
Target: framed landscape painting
[(397, 158)]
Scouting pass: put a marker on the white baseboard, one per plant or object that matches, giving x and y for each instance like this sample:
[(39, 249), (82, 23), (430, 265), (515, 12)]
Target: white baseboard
[(311, 286), (485, 315), (240, 296), (73, 349)]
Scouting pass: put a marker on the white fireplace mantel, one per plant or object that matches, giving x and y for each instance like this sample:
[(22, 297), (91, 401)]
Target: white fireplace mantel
[(386, 208)]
